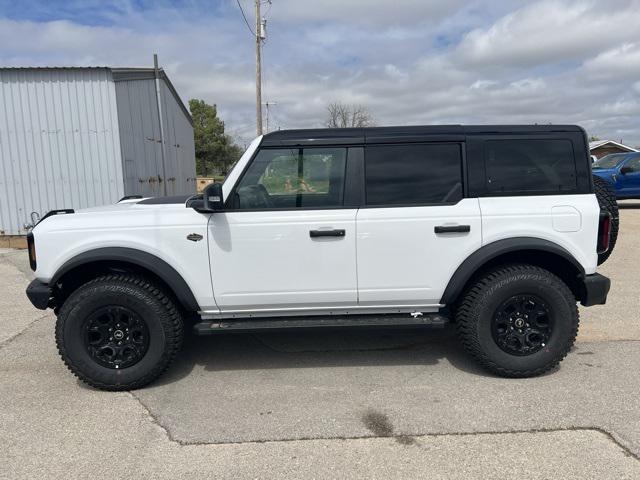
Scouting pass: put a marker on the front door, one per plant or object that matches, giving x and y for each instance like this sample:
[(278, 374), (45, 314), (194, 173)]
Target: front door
[(629, 182), (286, 242), (416, 227)]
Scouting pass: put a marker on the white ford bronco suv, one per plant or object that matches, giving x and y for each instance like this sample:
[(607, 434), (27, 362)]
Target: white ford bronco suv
[(498, 229)]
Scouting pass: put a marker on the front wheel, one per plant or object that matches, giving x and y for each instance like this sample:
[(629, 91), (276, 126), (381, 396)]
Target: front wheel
[(518, 321), (118, 332)]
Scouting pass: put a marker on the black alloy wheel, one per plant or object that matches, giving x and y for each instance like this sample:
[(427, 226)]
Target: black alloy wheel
[(116, 337), (522, 325)]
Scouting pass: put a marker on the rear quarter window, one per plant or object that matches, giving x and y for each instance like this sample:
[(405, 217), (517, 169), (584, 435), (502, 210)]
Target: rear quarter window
[(530, 166)]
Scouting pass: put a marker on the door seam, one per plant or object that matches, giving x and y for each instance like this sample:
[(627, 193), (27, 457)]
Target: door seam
[(356, 259)]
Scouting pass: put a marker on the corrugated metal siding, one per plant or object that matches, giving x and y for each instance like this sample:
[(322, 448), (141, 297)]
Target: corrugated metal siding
[(140, 140), (181, 150), (59, 142)]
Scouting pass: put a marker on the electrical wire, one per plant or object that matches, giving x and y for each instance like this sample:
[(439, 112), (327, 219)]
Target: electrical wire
[(268, 9), (245, 18)]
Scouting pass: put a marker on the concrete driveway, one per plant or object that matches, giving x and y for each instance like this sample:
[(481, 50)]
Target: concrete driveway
[(375, 404)]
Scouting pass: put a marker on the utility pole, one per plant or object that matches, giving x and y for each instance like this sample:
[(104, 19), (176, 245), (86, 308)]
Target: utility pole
[(260, 33), (258, 68), (156, 74)]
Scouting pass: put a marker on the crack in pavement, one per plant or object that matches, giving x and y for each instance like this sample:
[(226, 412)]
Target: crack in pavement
[(153, 419), (26, 328), (406, 439)]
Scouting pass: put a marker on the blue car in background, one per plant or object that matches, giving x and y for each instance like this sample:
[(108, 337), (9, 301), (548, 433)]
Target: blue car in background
[(622, 172)]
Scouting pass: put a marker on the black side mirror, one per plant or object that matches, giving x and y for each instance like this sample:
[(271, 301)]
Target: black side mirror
[(625, 170), (212, 198)]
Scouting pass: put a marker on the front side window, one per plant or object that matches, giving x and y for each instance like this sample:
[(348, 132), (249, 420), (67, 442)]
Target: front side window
[(289, 178), (419, 174), (610, 161), (535, 166), (633, 165)]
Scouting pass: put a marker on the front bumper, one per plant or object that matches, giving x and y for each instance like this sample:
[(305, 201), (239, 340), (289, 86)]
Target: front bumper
[(596, 288), (39, 294)]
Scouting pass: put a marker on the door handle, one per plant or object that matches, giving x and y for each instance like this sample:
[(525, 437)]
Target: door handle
[(452, 228), (327, 233)]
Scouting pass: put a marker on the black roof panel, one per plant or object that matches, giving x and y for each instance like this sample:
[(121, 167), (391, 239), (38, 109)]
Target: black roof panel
[(414, 132)]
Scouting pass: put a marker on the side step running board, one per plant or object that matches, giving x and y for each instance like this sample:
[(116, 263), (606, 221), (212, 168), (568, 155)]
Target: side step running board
[(208, 327)]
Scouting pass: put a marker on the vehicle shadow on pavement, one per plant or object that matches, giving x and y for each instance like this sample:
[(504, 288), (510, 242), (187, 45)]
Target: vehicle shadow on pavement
[(321, 349)]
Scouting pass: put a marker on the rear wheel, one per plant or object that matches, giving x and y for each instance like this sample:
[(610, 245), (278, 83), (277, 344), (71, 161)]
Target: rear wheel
[(607, 201), (118, 332), (518, 321)]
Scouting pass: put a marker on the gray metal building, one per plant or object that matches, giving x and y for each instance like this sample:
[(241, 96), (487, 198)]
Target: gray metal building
[(81, 137)]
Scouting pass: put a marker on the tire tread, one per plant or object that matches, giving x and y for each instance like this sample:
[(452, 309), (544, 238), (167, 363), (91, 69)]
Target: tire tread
[(607, 199), (173, 325), (468, 310)]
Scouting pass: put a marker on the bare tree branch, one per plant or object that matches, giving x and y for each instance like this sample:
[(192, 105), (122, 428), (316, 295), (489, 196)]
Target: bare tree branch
[(341, 115)]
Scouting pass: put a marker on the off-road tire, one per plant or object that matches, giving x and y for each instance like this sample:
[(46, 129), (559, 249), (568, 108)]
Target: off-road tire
[(607, 200), (151, 303), (474, 317)]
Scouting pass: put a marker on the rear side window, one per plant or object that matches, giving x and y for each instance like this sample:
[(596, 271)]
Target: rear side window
[(535, 166), (413, 174)]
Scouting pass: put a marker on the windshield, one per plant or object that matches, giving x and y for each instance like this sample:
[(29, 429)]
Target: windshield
[(610, 161)]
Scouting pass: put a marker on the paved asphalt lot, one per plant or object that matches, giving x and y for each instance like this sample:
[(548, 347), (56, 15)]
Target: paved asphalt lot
[(377, 404)]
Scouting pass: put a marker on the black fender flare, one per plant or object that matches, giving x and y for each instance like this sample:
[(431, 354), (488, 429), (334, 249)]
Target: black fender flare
[(488, 252), (142, 259)]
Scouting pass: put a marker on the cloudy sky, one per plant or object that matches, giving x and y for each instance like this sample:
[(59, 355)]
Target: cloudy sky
[(408, 61)]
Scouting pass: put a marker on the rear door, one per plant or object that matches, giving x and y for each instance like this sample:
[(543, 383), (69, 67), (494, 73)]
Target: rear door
[(416, 227)]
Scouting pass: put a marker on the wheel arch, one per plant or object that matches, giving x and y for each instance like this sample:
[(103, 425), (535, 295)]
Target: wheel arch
[(529, 250), (87, 265)]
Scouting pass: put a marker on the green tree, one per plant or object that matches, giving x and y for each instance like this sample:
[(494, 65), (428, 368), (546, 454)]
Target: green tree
[(215, 150)]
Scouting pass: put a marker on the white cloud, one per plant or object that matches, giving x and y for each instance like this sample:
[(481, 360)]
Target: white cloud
[(410, 62), (552, 31), (623, 60), (368, 12), (483, 84)]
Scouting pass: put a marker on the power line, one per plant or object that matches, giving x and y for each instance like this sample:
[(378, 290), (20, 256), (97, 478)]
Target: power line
[(268, 104), (245, 18), (268, 9)]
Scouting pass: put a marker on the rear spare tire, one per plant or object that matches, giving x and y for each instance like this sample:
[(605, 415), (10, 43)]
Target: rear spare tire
[(607, 201)]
